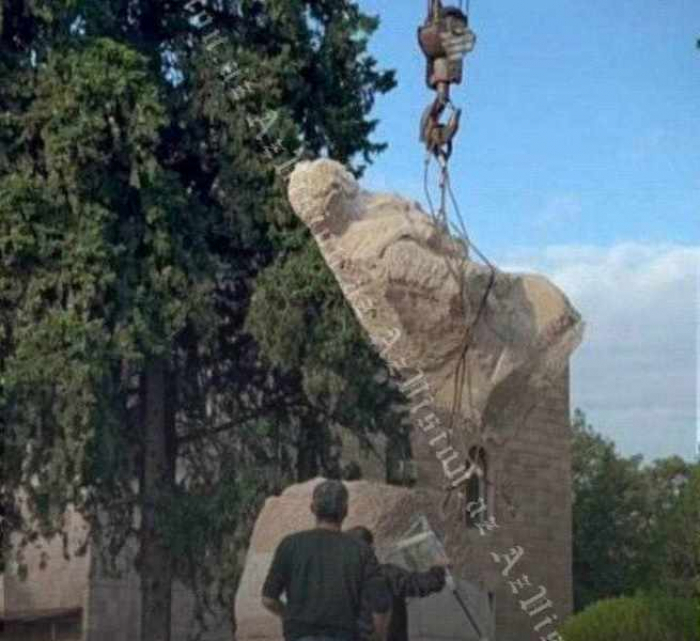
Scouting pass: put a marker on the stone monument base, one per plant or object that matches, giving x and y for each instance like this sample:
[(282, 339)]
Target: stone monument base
[(386, 510)]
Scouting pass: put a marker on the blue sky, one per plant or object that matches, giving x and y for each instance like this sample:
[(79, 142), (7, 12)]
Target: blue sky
[(578, 157)]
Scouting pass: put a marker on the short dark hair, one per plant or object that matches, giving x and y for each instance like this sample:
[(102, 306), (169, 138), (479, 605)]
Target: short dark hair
[(362, 533), (330, 501)]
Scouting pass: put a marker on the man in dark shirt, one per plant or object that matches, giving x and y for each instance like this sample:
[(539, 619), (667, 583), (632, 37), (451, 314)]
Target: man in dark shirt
[(402, 584), (326, 576)]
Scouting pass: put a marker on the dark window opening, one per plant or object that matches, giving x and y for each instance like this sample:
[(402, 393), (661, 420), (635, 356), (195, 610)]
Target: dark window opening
[(476, 504)]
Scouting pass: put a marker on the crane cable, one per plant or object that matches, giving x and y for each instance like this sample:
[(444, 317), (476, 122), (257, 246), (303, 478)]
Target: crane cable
[(460, 234), (451, 30)]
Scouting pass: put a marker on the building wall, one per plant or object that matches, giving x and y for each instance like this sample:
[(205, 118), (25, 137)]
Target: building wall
[(532, 506), (64, 630), (110, 604), (52, 580), (113, 609), (114, 613)]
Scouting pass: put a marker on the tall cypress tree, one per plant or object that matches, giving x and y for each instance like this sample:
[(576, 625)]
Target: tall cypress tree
[(140, 213)]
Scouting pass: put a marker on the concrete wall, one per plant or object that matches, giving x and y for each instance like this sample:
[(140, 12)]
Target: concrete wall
[(68, 629), (110, 604), (53, 581), (439, 617), (114, 613), (113, 609)]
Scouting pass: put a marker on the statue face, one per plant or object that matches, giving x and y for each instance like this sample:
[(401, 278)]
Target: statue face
[(323, 192)]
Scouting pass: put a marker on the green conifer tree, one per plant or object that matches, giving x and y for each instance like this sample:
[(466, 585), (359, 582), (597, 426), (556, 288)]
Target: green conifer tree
[(140, 213)]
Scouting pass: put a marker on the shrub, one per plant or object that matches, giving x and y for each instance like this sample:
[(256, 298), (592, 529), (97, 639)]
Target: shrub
[(635, 619)]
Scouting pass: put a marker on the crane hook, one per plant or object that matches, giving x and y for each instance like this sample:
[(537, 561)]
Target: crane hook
[(445, 38)]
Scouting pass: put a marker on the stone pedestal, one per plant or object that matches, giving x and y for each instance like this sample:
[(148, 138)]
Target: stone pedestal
[(387, 511)]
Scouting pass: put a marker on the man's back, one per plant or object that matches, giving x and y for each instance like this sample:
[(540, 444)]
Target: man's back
[(323, 574)]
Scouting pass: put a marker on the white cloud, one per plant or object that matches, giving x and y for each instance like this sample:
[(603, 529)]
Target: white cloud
[(636, 374), (559, 210)]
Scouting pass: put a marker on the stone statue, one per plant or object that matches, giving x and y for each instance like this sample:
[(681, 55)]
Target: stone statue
[(472, 336)]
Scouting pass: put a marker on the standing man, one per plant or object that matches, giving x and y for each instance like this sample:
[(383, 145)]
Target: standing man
[(326, 576), (403, 584)]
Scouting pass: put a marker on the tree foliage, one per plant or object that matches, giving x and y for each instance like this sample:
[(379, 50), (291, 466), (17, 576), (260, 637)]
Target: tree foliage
[(140, 213), (636, 619), (679, 541), (636, 527)]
